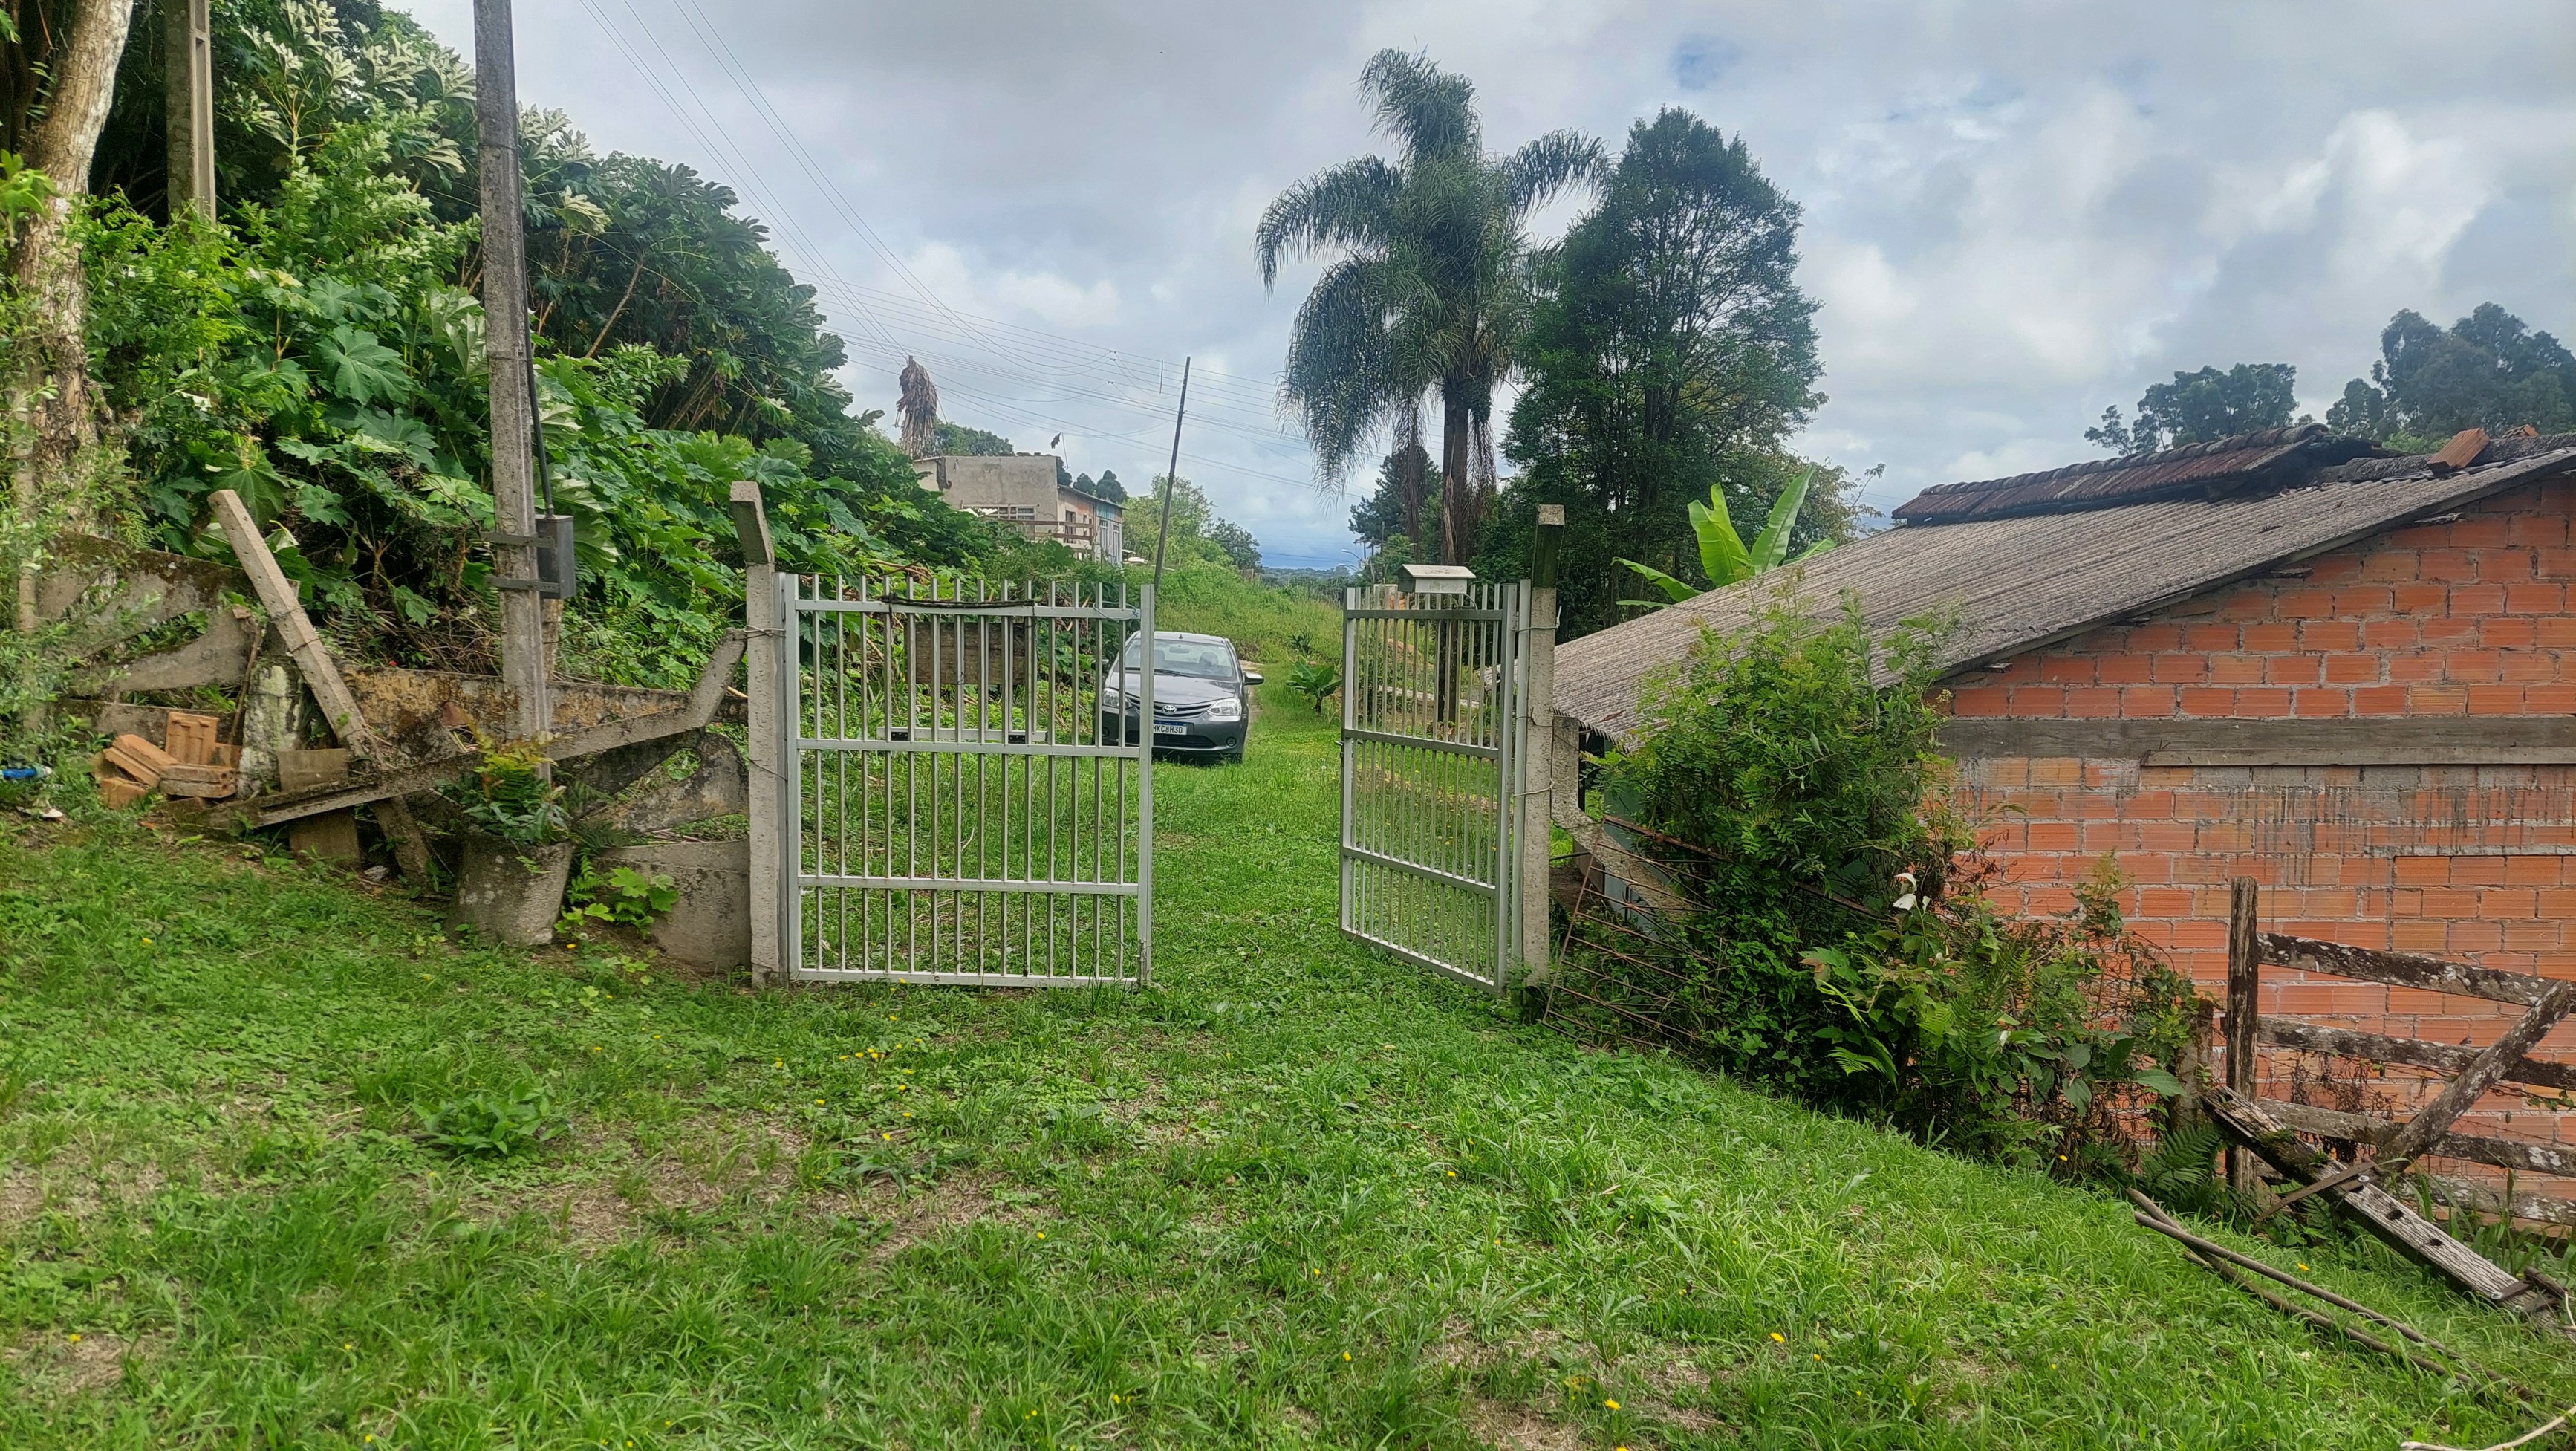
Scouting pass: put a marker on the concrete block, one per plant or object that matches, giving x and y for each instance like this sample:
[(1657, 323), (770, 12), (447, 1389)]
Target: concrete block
[(710, 926)]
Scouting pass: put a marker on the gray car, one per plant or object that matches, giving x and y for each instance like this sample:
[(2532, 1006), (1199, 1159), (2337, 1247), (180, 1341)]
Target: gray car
[(1202, 697)]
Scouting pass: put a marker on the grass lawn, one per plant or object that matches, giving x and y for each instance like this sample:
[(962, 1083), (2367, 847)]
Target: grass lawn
[(1294, 1195)]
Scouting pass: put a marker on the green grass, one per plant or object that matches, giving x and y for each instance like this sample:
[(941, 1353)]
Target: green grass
[(1294, 1195), (1264, 623)]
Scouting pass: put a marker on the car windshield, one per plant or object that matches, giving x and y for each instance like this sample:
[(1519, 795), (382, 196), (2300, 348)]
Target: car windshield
[(1195, 659)]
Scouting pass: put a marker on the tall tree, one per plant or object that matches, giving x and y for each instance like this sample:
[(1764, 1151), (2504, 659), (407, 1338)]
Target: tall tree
[(2489, 371), (1671, 351), (51, 405), (2198, 407), (1428, 289)]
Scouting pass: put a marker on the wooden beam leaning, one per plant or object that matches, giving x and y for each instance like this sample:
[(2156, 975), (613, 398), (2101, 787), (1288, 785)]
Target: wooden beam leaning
[(2244, 1009), (2484, 1072), (2334, 1123), (2383, 1214), (321, 673)]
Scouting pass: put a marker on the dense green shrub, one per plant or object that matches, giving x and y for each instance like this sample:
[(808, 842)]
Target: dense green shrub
[(1820, 923)]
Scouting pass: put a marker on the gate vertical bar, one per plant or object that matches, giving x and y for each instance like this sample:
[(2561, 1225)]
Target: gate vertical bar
[(791, 840), (1144, 787)]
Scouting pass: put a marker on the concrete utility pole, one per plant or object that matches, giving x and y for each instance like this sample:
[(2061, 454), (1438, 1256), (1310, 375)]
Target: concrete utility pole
[(189, 58), (505, 346)]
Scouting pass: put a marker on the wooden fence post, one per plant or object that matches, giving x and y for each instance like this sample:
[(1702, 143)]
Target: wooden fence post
[(2244, 983)]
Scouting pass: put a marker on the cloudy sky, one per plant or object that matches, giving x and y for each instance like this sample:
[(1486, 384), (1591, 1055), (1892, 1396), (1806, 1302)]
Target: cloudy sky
[(2016, 213)]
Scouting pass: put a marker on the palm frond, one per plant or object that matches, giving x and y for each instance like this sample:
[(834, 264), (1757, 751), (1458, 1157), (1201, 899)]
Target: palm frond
[(1341, 378), (1428, 109), (1348, 206), (1534, 174)]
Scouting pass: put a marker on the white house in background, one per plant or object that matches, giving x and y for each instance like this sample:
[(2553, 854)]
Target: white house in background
[(1024, 491)]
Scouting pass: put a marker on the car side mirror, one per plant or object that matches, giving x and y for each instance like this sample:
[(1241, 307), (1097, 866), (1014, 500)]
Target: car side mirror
[(1251, 678)]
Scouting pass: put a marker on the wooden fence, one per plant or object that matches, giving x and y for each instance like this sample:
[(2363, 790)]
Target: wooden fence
[(2471, 1072)]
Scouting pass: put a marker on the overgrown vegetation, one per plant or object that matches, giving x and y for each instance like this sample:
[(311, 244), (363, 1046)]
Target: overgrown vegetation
[(1295, 1195), (1808, 927)]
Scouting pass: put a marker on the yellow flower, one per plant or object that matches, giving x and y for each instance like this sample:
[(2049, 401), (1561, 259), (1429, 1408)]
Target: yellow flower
[(2303, 1267), (1779, 1339), (75, 1340), (888, 1137), (1614, 1405), (818, 1103), (1346, 1355), (1041, 1234)]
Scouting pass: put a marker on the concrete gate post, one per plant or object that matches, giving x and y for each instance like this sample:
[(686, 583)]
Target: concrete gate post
[(763, 761), (1538, 729)]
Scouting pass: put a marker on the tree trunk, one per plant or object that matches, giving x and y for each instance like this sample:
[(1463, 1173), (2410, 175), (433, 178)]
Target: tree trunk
[(1411, 463), (1456, 518), (50, 403)]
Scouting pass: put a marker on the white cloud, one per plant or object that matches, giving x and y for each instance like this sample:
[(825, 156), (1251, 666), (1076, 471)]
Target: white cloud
[(2017, 212)]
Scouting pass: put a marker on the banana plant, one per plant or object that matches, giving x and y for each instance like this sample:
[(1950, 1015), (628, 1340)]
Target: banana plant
[(1723, 555)]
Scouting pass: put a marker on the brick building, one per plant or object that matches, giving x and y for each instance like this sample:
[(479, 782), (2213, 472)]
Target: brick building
[(2285, 655)]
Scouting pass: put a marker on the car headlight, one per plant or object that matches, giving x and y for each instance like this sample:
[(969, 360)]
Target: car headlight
[(1110, 698), (1226, 709)]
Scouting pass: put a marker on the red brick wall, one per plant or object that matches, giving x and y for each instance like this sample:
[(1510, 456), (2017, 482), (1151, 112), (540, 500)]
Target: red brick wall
[(2470, 617)]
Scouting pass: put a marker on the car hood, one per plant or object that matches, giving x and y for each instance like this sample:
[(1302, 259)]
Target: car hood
[(1178, 689)]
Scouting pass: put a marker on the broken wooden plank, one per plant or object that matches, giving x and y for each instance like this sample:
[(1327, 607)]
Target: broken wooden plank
[(704, 702), (331, 837), (139, 759), (2482, 1074), (2361, 1128), (211, 783), (2403, 969), (190, 738), (320, 670), (310, 770), (2447, 1058), (2383, 1214)]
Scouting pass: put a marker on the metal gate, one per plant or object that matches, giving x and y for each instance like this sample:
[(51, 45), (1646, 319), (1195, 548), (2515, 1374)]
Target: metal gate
[(962, 808), (1432, 738)]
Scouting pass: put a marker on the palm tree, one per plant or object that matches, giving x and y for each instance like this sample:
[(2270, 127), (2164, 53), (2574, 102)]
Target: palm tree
[(1429, 283)]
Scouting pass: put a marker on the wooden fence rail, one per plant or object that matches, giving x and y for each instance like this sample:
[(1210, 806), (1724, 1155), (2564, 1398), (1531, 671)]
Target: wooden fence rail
[(2471, 1072)]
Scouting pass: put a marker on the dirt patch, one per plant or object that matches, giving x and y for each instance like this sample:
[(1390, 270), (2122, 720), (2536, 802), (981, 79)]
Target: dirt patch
[(84, 1195), (958, 1200), (20, 1197), (711, 1159), (1517, 1428), (58, 1367)]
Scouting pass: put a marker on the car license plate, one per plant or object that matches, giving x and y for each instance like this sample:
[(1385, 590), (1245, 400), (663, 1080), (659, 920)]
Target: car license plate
[(1171, 728)]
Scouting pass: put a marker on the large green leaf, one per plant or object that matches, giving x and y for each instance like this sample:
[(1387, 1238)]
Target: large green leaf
[(1773, 546), (1675, 591), (1721, 550), (358, 367)]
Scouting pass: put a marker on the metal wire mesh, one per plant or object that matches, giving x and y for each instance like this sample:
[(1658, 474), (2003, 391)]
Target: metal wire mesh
[(1431, 739), (964, 810)]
